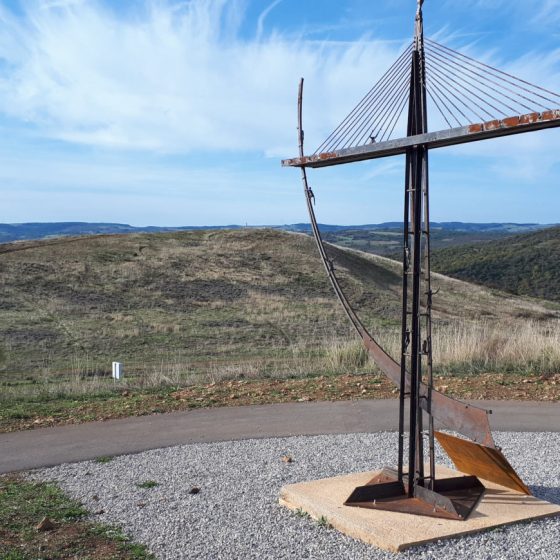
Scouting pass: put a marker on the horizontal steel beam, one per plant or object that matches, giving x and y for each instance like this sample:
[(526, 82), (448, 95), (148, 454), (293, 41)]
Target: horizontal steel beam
[(450, 137)]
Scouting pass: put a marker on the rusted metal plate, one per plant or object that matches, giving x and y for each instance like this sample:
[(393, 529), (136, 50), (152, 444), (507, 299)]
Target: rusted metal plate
[(492, 125), (482, 461), (476, 128), (471, 421), (550, 115), (511, 121)]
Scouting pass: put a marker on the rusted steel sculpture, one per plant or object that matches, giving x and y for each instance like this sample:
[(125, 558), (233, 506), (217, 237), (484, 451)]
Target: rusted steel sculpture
[(479, 100)]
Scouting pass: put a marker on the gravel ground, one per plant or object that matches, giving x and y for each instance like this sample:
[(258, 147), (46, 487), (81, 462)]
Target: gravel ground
[(236, 514)]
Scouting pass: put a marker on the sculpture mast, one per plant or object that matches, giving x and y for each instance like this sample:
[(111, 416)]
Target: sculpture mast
[(416, 305)]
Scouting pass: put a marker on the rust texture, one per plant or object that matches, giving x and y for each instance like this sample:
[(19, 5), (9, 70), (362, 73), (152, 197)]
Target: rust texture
[(492, 125), (529, 118), (479, 460), (510, 121)]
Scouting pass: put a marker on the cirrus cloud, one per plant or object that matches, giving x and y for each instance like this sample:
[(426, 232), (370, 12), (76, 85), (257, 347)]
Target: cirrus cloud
[(174, 77)]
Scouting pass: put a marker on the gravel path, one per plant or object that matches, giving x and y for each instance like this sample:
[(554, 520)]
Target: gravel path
[(236, 514)]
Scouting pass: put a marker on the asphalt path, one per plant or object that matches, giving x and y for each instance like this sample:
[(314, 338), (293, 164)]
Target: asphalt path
[(46, 447)]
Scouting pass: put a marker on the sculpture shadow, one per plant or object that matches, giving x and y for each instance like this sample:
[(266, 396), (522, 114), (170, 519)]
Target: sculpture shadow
[(548, 493)]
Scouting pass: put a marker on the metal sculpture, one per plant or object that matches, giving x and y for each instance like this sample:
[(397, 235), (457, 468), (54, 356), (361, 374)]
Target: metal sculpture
[(480, 100)]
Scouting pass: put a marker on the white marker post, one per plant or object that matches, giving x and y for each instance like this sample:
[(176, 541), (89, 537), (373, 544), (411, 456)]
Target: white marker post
[(118, 370)]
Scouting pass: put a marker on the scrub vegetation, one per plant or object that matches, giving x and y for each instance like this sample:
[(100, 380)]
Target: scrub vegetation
[(524, 264)]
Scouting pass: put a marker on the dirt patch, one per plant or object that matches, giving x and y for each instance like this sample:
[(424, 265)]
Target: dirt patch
[(38, 521), (349, 387), (242, 392)]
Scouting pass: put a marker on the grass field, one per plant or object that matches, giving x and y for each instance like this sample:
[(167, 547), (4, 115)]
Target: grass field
[(387, 241), (25, 504), (195, 308)]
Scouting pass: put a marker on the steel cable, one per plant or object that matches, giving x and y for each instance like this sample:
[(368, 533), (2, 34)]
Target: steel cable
[(441, 55), (376, 128), (365, 115), (381, 110), (446, 70), (378, 133), (398, 115), (460, 87), (441, 89), (379, 103), (450, 80), (366, 100), (496, 71), (431, 96)]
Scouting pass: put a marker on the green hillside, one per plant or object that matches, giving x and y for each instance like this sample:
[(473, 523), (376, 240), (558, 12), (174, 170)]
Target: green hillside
[(526, 264)]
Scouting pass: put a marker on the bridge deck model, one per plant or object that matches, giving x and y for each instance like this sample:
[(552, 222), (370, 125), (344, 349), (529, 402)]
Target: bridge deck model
[(450, 137)]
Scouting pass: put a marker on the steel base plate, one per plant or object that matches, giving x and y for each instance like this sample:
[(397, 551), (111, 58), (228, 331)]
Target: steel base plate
[(451, 498)]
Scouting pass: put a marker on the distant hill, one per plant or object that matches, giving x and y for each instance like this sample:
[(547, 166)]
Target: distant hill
[(525, 264), (386, 239), (43, 230), (506, 227), (377, 238)]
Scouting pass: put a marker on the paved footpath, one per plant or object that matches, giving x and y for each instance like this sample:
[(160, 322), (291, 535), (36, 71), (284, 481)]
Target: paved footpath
[(52, 446)]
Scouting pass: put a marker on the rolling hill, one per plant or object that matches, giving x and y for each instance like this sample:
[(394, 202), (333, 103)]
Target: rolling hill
[(44, 230), (211, 300), (386, 239), (381, 238), (524, 264)]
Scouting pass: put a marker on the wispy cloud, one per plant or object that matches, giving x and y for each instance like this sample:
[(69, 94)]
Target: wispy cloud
[(548, 12), (131, 83), (262, 17), (175, 77), (178, 77)]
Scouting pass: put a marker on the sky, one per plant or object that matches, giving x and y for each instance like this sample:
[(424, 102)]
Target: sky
[(170, 112)]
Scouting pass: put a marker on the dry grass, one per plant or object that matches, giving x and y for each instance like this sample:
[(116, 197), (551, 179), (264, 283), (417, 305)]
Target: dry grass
[(192, 307), (483, 346), (530, 348)]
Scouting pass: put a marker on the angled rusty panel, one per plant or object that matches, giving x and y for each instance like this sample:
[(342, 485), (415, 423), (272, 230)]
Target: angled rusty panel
[(482, 461), (471, 421), (466, 419)]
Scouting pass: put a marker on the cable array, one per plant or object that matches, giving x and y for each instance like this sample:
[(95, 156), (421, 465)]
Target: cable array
[(375, 116), (467, 91), (459, 88)]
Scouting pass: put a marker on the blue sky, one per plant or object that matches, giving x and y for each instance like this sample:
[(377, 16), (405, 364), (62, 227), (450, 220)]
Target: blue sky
[(178, 112)]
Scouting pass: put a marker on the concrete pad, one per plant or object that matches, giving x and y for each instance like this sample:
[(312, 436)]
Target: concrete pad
[(397, 531)]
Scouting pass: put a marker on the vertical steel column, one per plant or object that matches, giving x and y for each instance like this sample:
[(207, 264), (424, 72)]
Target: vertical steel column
[(427, 343), (405, 330), (416, 197)]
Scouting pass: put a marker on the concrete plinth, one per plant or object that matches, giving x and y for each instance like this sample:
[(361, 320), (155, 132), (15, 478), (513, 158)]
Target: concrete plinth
[(397, 531)]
